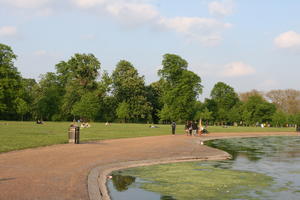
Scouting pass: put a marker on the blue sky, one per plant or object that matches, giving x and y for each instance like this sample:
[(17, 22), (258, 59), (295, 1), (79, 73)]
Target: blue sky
[(247, 44)]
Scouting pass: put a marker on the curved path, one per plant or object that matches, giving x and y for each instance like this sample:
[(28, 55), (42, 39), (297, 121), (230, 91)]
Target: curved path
[(61, 172)]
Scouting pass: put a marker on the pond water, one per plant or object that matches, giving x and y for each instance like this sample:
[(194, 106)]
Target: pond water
[(261, 168)]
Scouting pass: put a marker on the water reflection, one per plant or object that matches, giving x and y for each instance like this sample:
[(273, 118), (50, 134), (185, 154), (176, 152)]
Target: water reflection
[(256, 148), (166, 198), (277, 157), (121, 183)]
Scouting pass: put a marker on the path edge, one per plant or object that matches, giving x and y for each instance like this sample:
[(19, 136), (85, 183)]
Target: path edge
[(97, 177)]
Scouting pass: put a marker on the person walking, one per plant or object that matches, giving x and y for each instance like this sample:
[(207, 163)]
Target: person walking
[(194, 128), (186, 128), (190, 127), (173, 125)]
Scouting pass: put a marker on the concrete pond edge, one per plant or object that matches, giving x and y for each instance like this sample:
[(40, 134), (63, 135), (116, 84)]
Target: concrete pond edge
[(97, 178)]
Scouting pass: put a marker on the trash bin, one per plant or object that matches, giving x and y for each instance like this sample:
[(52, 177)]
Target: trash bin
[(74, 134)]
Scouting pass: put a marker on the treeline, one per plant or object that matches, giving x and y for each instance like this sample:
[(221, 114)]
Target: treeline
[(79, 89)]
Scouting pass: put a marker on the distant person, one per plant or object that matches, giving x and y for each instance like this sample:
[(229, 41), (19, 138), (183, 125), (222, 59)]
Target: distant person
[(194, 128), (39, 122), (190, 125), (173, 125), (186, 128)]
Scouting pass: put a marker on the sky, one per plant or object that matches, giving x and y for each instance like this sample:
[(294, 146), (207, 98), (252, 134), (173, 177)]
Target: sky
[(248, 44)]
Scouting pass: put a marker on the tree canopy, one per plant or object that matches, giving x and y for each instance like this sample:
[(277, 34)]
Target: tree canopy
[(79, 89), (181, 88)]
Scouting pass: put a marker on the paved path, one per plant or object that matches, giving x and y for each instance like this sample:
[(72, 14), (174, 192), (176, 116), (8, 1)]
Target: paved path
[(60, 172)]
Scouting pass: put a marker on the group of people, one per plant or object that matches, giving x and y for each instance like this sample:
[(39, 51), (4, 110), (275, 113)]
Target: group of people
[(191, 128)]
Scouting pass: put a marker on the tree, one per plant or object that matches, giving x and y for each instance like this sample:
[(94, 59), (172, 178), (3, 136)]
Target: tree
[(225, 98), (205, 115), (82, 69), (154, 93), (257, 110), (173, 66), (48, 96), (87, 108), (211, 105), (129, 87), (287, 101), (245, 96), (27, 94), (10, 83), (123, 111), (22, 107), (165, 114), (180, 90), (279, 119), (107, 112), (77, 76), (235, 113)]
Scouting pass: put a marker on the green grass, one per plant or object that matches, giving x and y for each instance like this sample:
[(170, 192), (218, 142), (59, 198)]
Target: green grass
[(22, 135), (192, 181)]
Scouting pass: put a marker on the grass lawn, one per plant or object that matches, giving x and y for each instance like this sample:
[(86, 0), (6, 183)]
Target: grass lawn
[(22, 135)]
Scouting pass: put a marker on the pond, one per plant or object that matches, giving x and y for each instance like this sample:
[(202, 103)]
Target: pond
[(261, 168)]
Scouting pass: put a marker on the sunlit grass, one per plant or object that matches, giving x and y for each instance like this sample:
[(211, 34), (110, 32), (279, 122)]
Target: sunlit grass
[(21, 135)]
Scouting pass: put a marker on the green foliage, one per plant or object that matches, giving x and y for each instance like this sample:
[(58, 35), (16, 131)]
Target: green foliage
[(279, 119), (224, 95), (123, 111), (165, 113), (257, 109), (235, 113), (107, 112), (10, 83), (225, 99), (60, 95), (129, 87), (205, 115), (154, 94), (173, 66), (22, 107), (180, 89), (295, 119), (77, 76), (48, 95), (87, 108), (81, 68)]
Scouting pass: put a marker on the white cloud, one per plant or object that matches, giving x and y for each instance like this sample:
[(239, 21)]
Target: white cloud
[(25, 3), (133, 13), (89, 3), (236, 69), (8, 31), (128, 12), (221, 8), (288, 39), (141, 13), (206, 31), (136, 13)]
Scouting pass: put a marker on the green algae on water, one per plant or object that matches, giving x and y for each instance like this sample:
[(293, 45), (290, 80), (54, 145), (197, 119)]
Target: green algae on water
[(193, 181)]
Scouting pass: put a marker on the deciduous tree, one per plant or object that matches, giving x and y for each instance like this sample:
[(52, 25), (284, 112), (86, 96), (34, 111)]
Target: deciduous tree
[(10, 83), (129, 87), (180, 90)]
